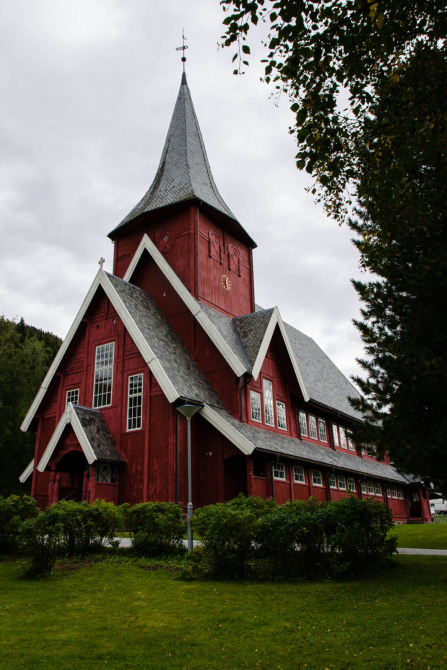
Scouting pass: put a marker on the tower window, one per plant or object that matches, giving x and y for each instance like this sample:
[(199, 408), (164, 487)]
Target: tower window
[(102, 390), (72, 396)]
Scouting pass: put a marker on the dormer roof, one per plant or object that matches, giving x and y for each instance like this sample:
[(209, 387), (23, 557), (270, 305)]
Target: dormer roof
[(184, 172)]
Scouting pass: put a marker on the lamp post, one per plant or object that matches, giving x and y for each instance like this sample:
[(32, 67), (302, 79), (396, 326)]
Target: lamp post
[(188, 412)]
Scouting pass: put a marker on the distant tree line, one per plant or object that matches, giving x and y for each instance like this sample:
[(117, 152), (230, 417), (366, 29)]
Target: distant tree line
[(26, 353)]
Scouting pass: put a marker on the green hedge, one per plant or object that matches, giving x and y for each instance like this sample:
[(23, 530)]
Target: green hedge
[(255, 537), (156, 528), (13, 511)]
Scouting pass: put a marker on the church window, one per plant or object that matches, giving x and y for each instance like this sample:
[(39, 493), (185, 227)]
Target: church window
[(255, 404), (370, 488), (317, 479), (281, 415), (393, 492), (135, 402), (378, 490), (102, 392), (313, 427), (303, 423), (322, 429), (268, 403), (105, 473), (388, 492), (343, 440), (342, 482), (332, 481), (351, 444), (335, 435), (73, 396), (351, 484), (215, 247), (400, 493), (233, 258), (363, 487), (298, 474), (279, 471)]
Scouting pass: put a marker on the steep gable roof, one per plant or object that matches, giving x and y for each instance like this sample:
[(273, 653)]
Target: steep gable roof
[(184, 172), (92, 433), (162, 349)]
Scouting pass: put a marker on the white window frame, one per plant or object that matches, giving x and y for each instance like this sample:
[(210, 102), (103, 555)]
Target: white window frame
[(104, 353), (317, 478), (332, 479), (281, 414), (302, 418), (279, 471), (370, 488), (255, 406), (134, 402), (351, 484), (393, 492), (378, 488), (363, 487), (269, 417), (72, 396), (335, 435), (299, 476), (342, 482), (343, 438), (313, 431), (322, 430), (400, 493), (351, 445)]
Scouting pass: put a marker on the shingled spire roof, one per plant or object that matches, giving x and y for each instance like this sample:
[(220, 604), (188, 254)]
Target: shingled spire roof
[(184, 172)]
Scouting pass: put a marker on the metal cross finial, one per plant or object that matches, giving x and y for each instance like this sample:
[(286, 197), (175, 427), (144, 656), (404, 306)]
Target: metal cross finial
[(101, 262), (183, 48)]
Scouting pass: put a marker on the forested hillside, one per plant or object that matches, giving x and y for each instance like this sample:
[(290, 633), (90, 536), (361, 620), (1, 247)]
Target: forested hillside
[(25, 355)]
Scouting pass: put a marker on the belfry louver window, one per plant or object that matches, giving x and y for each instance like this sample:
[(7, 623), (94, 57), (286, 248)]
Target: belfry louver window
[(102, 390)]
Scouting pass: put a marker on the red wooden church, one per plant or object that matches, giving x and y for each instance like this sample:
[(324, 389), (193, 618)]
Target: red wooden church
[(176, 323)]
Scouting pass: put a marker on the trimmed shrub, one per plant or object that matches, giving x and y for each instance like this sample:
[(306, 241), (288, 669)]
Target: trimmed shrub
[(227, 532), (85, 527), (156, 528), (13, 511), (41, 540)]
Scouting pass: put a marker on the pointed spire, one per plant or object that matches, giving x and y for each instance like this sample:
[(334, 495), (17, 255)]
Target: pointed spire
[(184, 172)]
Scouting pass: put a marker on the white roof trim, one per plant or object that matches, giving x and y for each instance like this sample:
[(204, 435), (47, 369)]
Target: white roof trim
[(238, 367), (102, 280), (68, 417), (227, 430), (276, 320), (27, 471)]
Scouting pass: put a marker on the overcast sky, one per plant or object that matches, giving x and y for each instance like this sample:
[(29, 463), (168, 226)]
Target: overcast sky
[(87, 92)]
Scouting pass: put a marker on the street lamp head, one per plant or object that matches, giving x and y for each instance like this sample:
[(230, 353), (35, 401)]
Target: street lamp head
[(188, 410)]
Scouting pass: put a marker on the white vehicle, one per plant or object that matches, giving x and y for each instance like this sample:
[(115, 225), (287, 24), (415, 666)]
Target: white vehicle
[(438, 506)]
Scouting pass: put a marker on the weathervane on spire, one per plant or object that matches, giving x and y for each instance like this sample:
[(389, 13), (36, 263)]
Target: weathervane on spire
[(183, 48)]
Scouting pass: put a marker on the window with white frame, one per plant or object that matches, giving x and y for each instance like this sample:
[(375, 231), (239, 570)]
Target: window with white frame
[(317, 479), (343, 440), (268, 403), (322, 430), (279, 471), (281, 415), (363, 487), (378, 490), (351, 444), (335, 434), (135, 402), (400, 493), (342, 482), (298, 474), (393, 492), (370, 488), (102, 390), (303, 423), (255, 404), (332, 479), (351, 484), (388, 492), (73, 396), (313, 427)]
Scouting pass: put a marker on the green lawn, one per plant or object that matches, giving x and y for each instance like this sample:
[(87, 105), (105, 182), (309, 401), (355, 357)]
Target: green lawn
[(422, 536), (122, 616)]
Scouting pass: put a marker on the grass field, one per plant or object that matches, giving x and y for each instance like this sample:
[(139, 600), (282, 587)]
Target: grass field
[(422, 536), (123, 616)]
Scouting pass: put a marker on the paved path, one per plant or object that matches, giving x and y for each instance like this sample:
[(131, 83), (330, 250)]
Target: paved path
[(126, 542)]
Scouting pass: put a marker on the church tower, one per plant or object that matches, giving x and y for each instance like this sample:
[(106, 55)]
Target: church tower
[(187, 219)]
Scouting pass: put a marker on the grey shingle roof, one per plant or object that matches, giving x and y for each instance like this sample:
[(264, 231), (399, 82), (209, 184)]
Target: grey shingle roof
[(183, 373), (184, 172), (284, 445), (227, 329), (251, 330), (98, 434), (324, 382)]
